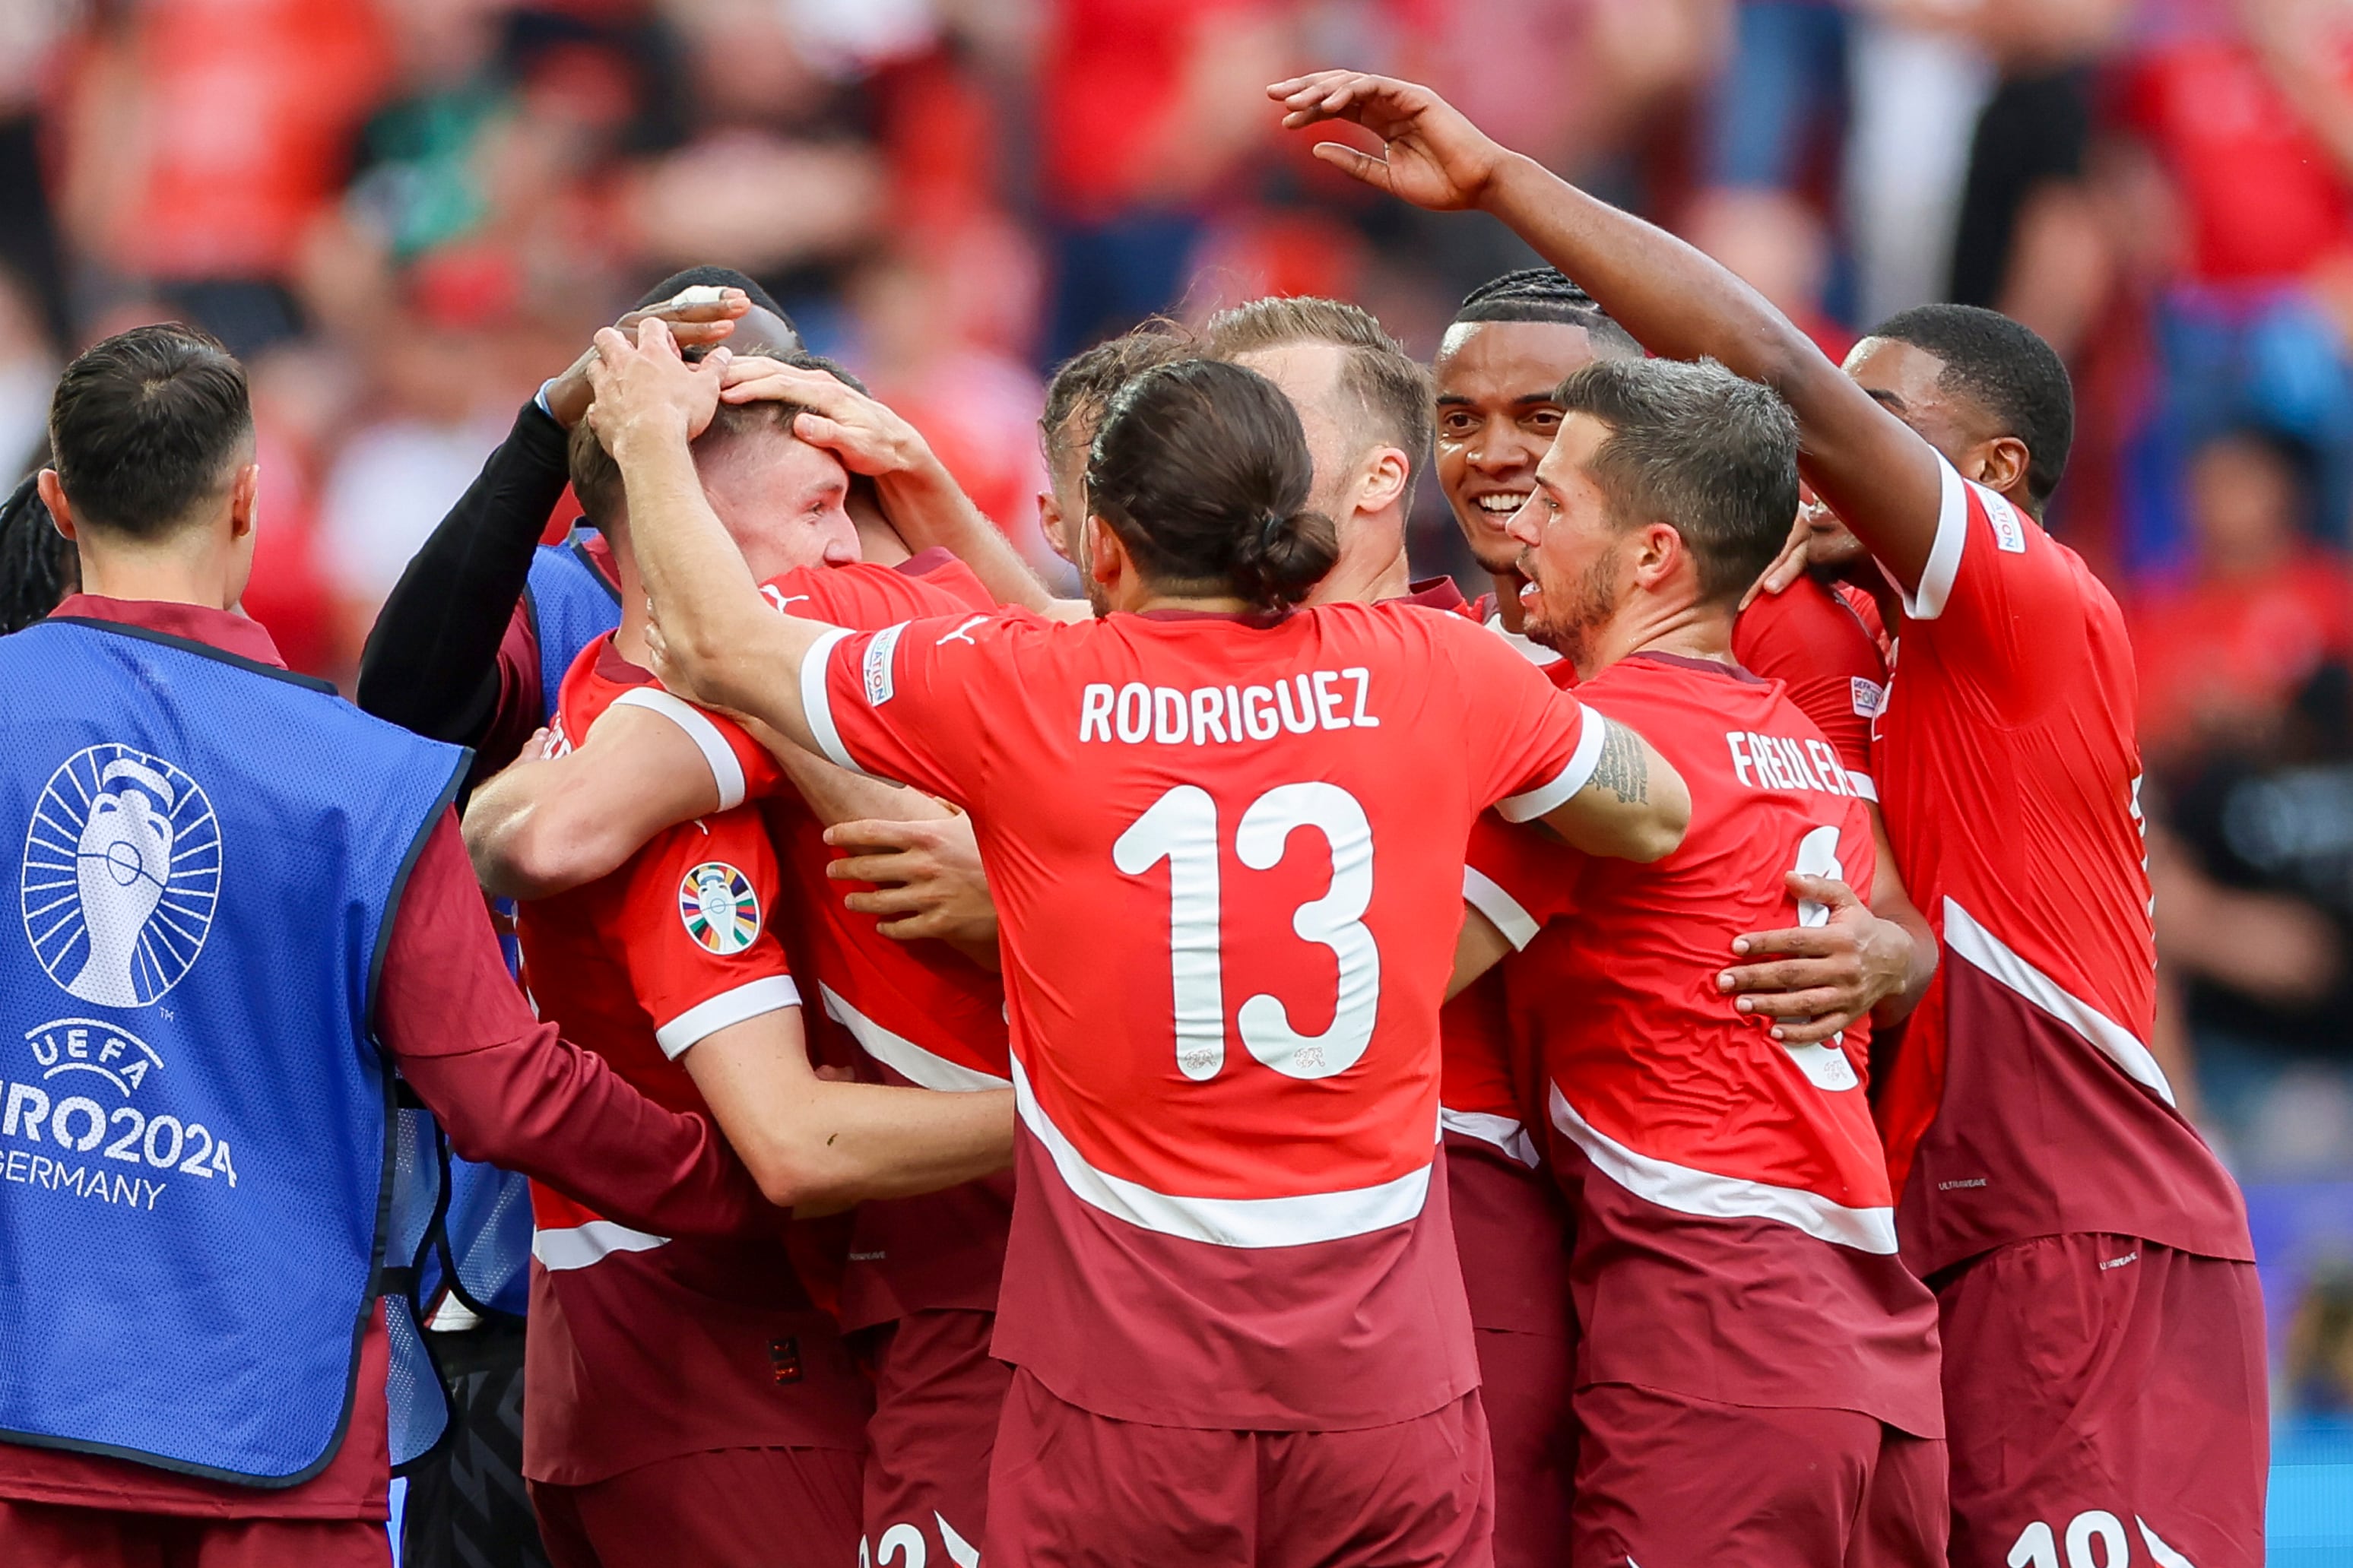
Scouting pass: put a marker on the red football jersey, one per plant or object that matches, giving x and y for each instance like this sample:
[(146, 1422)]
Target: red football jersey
[(1814, 642), (2024, 1101), (1693, 1145), (914, 1013), (1209, 832), (643, 1348)]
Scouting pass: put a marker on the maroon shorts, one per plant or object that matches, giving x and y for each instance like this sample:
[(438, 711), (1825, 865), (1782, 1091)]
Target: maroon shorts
[(1071, 1488), (1525, 1383), (1512, 1231), (1665, 1478), (2106, 1402), (730, 1508), (59, 1536), (938, 1396)]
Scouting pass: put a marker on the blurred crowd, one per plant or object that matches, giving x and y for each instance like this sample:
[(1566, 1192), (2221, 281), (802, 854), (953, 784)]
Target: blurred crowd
[(406, 213)]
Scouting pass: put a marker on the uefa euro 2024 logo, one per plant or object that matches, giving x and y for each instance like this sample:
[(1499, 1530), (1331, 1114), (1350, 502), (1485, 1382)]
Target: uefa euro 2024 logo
[(123, 866)]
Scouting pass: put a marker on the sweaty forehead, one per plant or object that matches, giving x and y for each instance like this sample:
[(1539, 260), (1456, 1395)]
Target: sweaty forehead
[(772, 456), (1508, 362)]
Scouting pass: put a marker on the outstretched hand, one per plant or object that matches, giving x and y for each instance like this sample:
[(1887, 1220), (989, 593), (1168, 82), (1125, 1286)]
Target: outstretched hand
[(1432, 156), (644, 386), (866, 434)]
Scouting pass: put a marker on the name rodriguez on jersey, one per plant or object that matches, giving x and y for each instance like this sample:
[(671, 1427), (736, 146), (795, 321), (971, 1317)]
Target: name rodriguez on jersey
[(1224, 715)]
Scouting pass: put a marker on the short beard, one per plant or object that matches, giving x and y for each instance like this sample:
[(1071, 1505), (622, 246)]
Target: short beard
[(1595, 606)]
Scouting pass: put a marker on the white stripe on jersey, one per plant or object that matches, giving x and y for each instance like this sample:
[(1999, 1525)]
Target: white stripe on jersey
[(726, 772), (1226, 1222), (816, 699), (901, 1055), (1591, 730), (582, 1244), (1936, 578), (1711, 1196), (768, 994), (1484, 893), (1987, 954), (1506, 1132)]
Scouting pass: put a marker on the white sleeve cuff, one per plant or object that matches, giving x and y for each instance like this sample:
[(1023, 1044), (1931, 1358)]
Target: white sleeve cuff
[(699, 1023), (1944, 567), (817, 699), (1484, 893), (1581, 763), (1863, 784), (726, 770)]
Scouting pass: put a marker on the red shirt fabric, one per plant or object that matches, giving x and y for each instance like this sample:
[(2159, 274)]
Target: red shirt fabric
[(505, 1088), (2024, 1101), (641, 1347), (1812, 640), (1692, 1145), (1261, 819), (2237, 645), (910, 1013)]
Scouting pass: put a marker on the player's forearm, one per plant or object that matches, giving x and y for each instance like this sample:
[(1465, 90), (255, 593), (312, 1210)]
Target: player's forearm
[(431, 660), (530, 836), (1892, 903), (844, 1144), (722, 645), (931, 512), (1635, 805), (1680, 304)]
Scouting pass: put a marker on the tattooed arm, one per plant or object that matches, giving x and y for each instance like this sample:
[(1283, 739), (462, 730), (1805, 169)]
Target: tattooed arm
[(1633, 806)]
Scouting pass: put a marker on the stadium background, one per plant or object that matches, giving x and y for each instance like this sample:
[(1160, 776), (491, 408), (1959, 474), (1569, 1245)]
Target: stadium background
[(405, 213)]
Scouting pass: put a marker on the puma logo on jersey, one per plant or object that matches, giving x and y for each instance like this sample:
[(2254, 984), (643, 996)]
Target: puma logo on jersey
[(1133, 713), (1782, 762), (779, 598), (963, 634)]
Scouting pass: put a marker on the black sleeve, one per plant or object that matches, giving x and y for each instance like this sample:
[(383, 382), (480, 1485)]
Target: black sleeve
[(432, 661)]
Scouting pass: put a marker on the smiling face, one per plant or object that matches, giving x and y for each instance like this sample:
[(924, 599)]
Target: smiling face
[(1496, 418), (1569, 546)]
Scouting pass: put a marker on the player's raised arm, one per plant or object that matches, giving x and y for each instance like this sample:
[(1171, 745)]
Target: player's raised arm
[(1873, 471), (714, 640), (1632, 805)]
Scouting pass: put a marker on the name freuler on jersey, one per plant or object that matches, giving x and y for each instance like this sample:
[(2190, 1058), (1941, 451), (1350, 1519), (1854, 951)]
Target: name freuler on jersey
[(1134, 713), (1783, 761)]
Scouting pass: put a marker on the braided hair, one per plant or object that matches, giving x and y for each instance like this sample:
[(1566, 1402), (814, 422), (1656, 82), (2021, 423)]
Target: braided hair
[(1544, 294), (38, 566)]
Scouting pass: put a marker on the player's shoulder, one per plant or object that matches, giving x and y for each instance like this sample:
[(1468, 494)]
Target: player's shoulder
[(597, 679), (1809, 631), (943, 573)]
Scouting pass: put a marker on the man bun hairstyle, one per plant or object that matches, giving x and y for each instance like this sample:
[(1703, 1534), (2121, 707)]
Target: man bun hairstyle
[(1547, 294), (2007, 369), (1201, 468), (38, 566), (1695, 446), (146, 427), (1387, 384)]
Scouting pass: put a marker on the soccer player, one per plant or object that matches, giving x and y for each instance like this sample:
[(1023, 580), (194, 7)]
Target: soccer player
[(656, 1424), (470, 646), (1236, 1321), (2102, 1324), (922, 1277), (251, 931), (1787, 1409)]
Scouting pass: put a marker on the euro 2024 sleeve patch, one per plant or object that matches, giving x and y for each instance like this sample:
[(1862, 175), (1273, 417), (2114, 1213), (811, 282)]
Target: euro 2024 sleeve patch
[(718, 907)]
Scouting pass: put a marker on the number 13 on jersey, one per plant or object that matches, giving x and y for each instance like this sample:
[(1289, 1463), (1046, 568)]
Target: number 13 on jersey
[(1182, 828)]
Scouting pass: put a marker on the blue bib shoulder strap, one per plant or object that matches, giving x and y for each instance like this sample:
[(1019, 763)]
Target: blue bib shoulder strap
[(195, 1116), (571, 603)]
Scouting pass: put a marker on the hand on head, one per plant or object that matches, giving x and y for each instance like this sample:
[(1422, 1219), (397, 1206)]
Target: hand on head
[(697, 318), (864, 433), (644, 386), (1432, 156)]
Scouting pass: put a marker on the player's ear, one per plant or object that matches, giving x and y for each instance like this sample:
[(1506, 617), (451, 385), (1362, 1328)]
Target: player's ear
[(53, 496), (1658, 550), (1102, 558), (1386, 471), (244, 501), (2001, 463), (1050, 524)]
